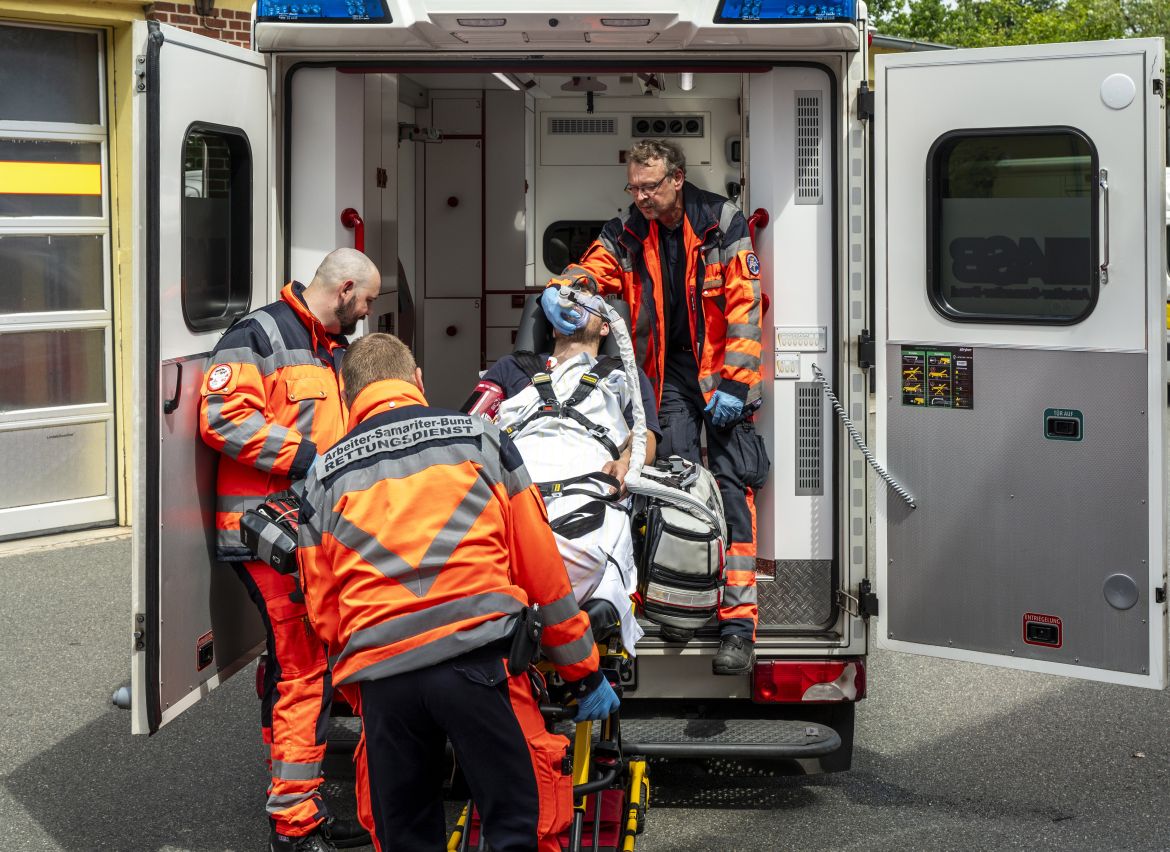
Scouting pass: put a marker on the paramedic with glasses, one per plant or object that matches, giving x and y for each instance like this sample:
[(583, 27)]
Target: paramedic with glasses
[(683, 259), (570, 415)]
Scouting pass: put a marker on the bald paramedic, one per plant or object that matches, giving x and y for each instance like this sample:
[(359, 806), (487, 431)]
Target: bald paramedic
[(271, 403), (421, 542)]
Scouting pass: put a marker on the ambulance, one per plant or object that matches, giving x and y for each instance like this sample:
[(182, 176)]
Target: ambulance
[(965, 387)]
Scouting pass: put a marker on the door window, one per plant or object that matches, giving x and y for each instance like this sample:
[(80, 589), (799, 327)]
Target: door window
[(1012, 226), (217, 227)]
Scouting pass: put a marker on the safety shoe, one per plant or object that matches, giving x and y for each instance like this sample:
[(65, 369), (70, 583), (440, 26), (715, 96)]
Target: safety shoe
[(344, 833), (314, 842), (675, 634), (736, 656)]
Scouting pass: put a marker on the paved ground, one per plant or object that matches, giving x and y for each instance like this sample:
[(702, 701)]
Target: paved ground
[(949, 756)]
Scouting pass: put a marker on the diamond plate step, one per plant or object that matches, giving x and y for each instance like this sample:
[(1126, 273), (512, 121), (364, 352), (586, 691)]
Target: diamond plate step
[(765, 738)]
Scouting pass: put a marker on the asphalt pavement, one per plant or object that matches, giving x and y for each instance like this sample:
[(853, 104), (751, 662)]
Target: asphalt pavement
[(949, 756)]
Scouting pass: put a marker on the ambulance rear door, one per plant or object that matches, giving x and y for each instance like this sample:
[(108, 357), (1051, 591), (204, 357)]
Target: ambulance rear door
[(1021, 373), (201, 113)]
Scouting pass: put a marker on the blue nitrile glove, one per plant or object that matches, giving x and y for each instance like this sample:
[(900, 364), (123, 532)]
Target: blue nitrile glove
[(565, 320), (600, 703), (724, 408)]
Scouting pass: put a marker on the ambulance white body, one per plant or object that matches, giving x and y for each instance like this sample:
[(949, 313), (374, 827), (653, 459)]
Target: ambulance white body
[(974, 249)]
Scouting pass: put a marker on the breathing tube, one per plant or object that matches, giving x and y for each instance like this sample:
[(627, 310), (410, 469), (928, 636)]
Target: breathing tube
[(636, 482)]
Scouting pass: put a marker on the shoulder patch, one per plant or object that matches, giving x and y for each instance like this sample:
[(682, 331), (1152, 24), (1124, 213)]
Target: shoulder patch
[(219, 378), (753, 263)]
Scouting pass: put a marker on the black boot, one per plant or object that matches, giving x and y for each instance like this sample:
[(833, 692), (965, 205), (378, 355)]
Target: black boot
[(345, 833), (736, 656), (314, 841)]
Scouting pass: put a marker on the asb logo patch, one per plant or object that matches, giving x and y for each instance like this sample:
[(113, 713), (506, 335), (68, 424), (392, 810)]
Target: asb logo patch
[(753, 263), (219, 377)]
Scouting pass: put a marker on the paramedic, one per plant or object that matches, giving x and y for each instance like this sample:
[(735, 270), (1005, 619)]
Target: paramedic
[(682, 257), (271, 402), (421, 540), (579, 461)]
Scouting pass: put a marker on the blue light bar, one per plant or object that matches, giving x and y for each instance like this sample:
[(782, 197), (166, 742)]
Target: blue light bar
[(324, 11), (784, 11)]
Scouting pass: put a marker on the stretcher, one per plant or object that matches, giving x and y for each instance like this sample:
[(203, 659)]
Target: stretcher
[(611, 788)]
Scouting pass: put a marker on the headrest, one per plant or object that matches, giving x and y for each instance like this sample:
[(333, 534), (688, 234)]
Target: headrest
[(534, 334)]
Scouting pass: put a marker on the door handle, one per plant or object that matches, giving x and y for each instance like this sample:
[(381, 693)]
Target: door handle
[(1103, 182), (173, 403)]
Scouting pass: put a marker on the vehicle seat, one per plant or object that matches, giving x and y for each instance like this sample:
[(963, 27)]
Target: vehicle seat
[(534, 334)]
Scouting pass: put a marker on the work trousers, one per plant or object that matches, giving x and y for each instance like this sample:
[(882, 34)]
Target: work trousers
[(737, 459), (514, 767), (294, 709)]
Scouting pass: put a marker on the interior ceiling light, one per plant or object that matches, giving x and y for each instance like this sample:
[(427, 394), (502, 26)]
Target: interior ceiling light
[(481, 22), (686, 80), (625, 22), (508, 80)]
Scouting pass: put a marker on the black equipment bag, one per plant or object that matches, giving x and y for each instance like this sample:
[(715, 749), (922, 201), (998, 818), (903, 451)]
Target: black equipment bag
[(270, 530), (681, 557)]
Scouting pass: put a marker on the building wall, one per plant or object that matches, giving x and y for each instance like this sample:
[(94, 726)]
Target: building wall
[(230, 22)]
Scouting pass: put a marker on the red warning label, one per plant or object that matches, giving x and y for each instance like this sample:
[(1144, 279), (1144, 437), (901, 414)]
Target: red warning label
[(1044, 630)]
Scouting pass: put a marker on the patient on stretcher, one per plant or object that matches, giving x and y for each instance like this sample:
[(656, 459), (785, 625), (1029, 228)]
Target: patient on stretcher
[(569, 413)]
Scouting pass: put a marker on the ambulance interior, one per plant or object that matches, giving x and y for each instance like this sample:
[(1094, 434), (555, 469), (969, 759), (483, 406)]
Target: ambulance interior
[(475, 185)]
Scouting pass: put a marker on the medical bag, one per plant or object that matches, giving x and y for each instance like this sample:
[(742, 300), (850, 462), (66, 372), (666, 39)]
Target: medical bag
[(680, 550)]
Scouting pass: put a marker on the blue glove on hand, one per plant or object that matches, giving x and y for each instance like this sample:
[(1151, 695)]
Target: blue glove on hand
[(600, 703), (565, 320), (724, 409)]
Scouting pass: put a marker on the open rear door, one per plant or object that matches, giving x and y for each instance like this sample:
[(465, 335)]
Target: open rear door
[(201, 184), (1021, 366)]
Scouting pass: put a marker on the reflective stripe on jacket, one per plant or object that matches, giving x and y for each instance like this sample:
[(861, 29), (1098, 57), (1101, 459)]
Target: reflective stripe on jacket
[(271, 397), (722, 272), (422, 536)]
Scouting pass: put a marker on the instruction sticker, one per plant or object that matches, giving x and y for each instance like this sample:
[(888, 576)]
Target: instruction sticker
[(939, 377)]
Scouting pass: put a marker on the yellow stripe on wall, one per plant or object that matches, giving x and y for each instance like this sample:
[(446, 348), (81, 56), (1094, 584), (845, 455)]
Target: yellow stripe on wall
[(17, 178)]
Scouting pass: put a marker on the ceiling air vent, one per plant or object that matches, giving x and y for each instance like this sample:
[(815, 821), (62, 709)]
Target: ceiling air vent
[(581, 126)]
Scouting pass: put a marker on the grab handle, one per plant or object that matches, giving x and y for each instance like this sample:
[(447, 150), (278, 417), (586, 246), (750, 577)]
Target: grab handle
[(1103, 182), (352, 220), (173, 403)]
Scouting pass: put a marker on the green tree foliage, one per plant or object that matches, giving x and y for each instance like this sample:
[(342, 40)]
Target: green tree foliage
[(984, 23)]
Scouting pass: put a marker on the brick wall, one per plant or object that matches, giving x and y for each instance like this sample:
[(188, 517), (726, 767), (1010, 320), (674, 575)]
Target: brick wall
[(223, 24)]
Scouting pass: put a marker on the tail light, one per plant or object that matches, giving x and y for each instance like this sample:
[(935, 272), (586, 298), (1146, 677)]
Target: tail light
[(809, 681)]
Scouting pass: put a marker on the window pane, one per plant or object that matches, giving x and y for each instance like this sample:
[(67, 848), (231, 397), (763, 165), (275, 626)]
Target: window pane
[(45, 369), (1014, 237), (216, 229), (43, 178), (49, 75), (564, 242), (56, 272)]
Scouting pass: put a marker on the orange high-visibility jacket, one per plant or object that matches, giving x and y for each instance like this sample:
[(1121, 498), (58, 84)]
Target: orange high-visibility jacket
[(420, 535), (723, 290), (271, 401)]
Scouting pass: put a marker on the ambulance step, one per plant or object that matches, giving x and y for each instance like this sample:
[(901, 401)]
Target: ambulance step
[(762, 738)]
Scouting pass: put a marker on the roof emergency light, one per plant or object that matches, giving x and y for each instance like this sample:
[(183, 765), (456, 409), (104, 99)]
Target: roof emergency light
[(324, 11), (784, 11)]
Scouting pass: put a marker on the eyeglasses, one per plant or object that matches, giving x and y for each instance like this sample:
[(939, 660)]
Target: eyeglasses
[(646, 188)]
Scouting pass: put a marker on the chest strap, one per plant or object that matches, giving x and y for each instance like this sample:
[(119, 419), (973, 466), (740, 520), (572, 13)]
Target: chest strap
[(550, 406)]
